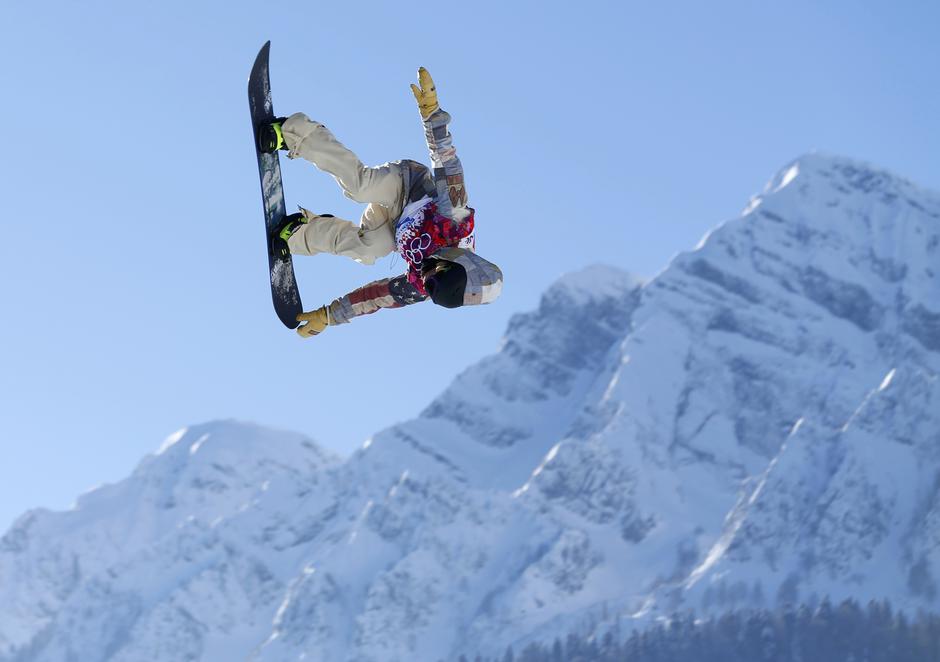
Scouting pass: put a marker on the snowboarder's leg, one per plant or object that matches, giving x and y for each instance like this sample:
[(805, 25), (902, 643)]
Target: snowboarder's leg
[(382, 187), (373, 238), (314, 142)]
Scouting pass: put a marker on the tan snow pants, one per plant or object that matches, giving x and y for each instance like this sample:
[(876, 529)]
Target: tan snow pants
[(381, 187)]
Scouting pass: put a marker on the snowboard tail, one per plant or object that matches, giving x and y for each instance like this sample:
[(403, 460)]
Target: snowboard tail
[(284, 290)]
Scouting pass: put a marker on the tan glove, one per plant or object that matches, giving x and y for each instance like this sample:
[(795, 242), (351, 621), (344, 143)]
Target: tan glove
[(315, 322), (426, 95)]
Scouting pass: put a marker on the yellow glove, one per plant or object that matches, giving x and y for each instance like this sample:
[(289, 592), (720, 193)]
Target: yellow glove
[(426, 95), (315, 322)]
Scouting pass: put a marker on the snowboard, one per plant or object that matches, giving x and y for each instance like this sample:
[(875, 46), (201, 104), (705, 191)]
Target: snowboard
[(284, 290)]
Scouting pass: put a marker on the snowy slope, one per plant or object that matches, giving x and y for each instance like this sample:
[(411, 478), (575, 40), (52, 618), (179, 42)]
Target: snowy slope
[(848, 507), (758, 423), (786, 323)]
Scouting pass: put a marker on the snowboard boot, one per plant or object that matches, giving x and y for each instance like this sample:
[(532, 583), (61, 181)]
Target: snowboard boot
[(271, 137), (283, 232)]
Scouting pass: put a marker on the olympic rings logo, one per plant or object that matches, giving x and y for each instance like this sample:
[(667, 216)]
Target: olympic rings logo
[(415, 253)]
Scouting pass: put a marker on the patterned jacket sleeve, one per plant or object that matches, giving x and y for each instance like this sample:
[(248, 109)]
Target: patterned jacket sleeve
[(386, 293), (448, 172)]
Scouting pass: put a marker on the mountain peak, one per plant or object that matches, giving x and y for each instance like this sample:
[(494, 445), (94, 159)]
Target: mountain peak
[(230, 434), (595, 283), (204, 471), (838, 180)]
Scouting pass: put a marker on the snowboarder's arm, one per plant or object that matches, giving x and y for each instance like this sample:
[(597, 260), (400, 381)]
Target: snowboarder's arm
[(448, 171), (386, 293)]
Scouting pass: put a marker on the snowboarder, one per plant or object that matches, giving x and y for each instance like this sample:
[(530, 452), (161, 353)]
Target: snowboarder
[(421, 214)]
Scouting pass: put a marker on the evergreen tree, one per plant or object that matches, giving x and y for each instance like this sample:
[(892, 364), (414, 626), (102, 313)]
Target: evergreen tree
[(904, 646)]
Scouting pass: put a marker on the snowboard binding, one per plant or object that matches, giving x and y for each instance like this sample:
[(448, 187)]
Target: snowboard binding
[(282, 233), (270, 136)]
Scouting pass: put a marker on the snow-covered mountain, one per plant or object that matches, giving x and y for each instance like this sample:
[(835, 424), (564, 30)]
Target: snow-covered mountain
[(760, 423)]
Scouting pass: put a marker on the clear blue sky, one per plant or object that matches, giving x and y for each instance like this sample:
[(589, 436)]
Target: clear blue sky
[(134, 288)]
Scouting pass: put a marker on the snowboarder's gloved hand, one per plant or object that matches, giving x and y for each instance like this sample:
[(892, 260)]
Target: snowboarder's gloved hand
[(426, 95), (315, 322)]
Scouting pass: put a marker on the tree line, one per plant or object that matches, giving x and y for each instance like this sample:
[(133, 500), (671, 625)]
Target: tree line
[(846, 632)]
